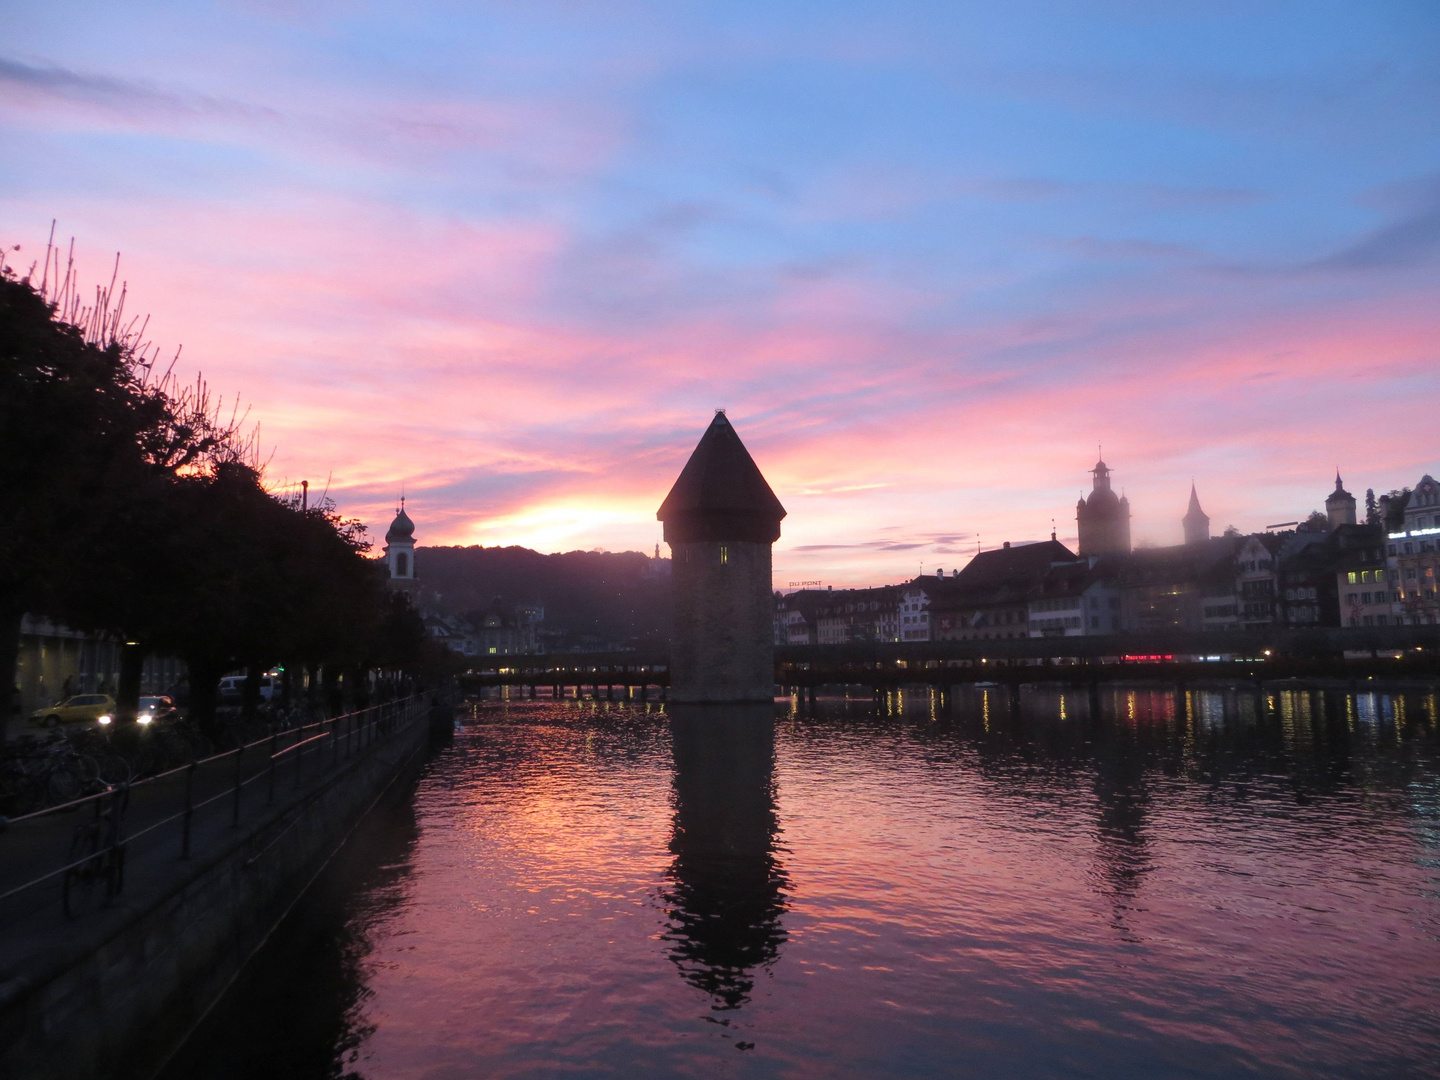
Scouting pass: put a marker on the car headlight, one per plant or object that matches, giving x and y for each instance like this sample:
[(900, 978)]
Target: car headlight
[(144, 718), (104, 718)]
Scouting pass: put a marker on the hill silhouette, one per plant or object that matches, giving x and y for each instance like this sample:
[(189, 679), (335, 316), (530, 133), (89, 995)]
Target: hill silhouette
[(592, 599)]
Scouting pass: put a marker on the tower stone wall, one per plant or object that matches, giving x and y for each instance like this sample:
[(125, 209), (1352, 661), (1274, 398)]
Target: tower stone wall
[(723, 644)]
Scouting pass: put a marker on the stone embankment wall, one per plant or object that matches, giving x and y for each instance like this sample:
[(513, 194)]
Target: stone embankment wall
[(117, 996)]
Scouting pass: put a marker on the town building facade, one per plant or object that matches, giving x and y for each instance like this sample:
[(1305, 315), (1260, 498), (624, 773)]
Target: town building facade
[(1414, 555), (1256, 581)]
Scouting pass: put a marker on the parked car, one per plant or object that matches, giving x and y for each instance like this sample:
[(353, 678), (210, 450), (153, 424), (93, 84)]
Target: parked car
[(158, 707), (76, 709), (232, 689)]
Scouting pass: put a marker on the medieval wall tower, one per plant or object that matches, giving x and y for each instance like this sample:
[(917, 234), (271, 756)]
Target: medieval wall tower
[(1196, 521), (720, 520), (1340, 505)]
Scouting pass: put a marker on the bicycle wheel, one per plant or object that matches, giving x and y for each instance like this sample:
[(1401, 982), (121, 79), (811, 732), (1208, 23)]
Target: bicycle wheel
[(63, 784), (113, 770), (87, 768)]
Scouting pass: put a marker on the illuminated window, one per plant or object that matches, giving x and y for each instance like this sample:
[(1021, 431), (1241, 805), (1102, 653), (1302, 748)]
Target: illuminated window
[(493, 649), (724, 554)]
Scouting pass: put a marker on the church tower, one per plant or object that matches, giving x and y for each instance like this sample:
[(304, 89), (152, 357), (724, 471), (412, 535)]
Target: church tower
[(1196, 521), (400, 550), (720, 520), (1340, 506), (1103, 519)]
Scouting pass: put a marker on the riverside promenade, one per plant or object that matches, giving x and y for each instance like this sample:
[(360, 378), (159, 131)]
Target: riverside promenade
[(124, 914)]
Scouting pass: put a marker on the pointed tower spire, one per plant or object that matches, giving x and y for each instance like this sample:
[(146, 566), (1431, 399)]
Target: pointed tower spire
[(1196, 521)]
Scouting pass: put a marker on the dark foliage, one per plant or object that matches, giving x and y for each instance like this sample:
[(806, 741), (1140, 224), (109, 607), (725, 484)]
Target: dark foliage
[(137, 510)]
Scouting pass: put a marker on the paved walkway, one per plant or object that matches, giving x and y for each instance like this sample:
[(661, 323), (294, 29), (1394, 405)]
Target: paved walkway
[(34, 921)]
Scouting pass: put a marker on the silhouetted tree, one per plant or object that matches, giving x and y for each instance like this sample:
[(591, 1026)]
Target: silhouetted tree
[(81, 428), (138, 510)]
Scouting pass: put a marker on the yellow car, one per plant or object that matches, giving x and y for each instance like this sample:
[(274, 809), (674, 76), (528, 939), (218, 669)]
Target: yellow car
[(76, 709)]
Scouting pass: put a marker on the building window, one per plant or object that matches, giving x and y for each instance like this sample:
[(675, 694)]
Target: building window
[(724, 554), (402, 564)]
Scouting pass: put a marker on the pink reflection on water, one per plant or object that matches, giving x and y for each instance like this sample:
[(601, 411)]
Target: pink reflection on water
[(1208, 890)]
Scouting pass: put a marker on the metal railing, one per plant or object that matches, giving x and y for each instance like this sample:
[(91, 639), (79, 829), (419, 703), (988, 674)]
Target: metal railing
[(201, 803)]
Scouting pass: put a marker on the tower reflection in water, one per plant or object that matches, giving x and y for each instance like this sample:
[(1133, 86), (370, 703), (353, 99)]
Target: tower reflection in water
[(726, 890)]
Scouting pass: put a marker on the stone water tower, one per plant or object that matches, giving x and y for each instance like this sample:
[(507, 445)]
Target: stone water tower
[(720, 519)]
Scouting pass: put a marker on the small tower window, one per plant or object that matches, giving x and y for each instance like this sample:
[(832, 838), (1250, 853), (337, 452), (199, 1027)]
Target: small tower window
[(724, 554), (402, 564)]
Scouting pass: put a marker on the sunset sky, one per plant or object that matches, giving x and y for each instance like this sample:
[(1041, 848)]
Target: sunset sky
[(928, 256)]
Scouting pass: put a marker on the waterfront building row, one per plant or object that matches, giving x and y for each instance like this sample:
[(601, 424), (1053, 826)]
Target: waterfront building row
[(1330, 571)]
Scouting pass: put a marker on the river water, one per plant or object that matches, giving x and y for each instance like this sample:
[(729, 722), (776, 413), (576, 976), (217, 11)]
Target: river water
[(1232, 887)]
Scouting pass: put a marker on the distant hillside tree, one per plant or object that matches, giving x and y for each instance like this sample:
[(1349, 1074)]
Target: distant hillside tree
[(592, 599)]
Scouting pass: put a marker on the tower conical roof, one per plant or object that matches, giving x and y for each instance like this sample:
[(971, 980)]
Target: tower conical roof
[(1339, 495), (721, 494), (1194, 503)]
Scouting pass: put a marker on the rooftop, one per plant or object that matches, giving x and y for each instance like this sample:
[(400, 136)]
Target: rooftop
[(721, 493)]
